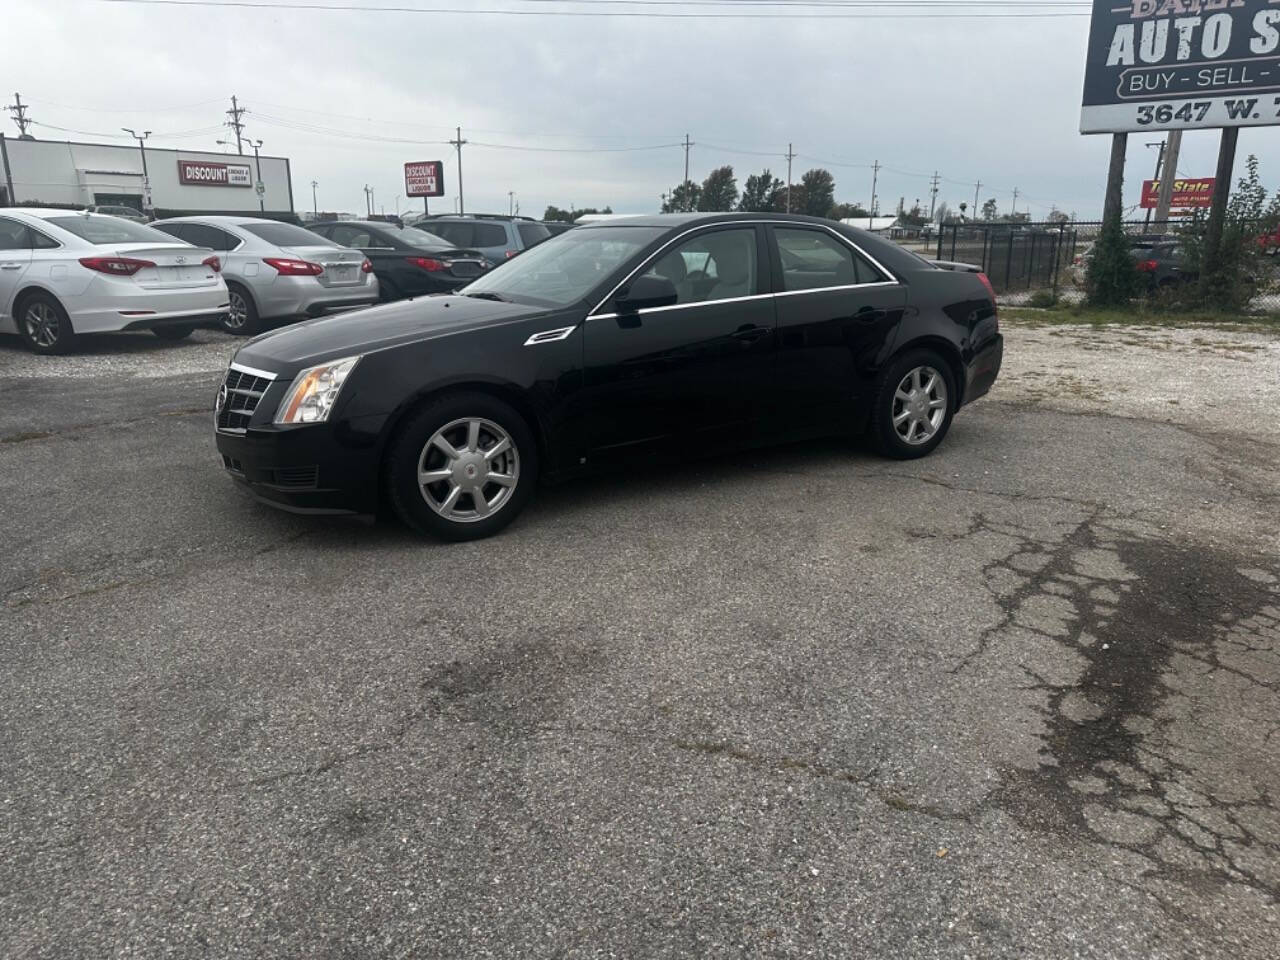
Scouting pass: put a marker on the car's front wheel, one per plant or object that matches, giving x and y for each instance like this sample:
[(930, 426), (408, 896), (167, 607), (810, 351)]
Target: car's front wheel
[(462, 467), (45, 325), (915, 401)]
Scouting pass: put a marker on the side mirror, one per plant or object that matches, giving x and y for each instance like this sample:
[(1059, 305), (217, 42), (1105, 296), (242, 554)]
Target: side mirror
[(647, 291)]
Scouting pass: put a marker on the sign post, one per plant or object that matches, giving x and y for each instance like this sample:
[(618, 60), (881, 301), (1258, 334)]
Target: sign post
[(424, 179)]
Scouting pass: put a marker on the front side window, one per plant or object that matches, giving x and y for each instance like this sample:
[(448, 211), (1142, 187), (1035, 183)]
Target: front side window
[(105, 230), (812, 259), (564, 269), (711, 266)]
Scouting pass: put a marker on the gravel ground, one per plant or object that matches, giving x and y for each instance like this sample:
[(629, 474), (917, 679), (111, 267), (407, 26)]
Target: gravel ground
[(1018, 699)]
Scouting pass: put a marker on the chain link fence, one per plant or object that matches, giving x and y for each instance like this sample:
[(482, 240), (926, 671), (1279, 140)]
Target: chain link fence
[(1050, 259)]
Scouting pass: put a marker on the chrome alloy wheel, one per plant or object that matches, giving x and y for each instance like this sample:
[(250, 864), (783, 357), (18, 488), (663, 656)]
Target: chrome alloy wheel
[(237, 310), (42, 323), (919, 405), (468, 470)]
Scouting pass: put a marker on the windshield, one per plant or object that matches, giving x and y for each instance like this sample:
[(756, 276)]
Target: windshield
[(564, 269), (110, 230)]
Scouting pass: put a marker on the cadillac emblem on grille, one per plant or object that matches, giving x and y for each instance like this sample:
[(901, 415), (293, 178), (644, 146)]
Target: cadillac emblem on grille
[(221, 402)]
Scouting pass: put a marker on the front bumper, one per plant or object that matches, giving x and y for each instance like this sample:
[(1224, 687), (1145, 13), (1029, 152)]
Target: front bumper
[(982, 370), (306, 469)]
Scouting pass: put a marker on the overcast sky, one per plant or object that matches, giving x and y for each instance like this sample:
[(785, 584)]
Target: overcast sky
[(995, 100)]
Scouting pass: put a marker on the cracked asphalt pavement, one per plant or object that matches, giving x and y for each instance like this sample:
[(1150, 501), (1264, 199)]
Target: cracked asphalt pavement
[(1018, 699)]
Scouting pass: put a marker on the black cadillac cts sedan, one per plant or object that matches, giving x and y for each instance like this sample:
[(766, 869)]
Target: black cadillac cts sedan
[(641, 337)]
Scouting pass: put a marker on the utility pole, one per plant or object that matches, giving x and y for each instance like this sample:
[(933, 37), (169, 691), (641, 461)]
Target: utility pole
[(933, 195), (146, 180), (1014, 208), (1156, 177), (315, 204), (976, 187), (875, 175), (257, 180), (19, 111), (457, 143), (235, 123), (368, 201), (790, 156), (685, 183), (1173, 144), (511, 203)]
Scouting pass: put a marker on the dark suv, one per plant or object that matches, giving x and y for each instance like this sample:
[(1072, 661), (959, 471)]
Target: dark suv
[(497, 237)]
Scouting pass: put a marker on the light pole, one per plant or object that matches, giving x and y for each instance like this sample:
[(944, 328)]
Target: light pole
[(315, 204), (257, 183), (511, 203), (146, 180)]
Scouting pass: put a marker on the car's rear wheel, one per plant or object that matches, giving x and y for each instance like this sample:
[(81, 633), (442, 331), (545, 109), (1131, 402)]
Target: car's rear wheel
[(388, 291), (172, 333), (915, 401), (242, 318), (45, 325), (462, 467)]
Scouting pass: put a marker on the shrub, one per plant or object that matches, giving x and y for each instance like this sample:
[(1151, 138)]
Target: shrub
[(1112, 279)]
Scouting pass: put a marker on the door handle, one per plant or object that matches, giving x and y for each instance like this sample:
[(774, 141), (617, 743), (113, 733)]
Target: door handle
[(10, 266), (750, 333), (870, 315)]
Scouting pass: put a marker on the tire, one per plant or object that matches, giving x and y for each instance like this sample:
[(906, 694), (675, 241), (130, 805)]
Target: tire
[(172, 333), (434, 508), (45, 326), (388, 292), (242, 318), (917, 398)]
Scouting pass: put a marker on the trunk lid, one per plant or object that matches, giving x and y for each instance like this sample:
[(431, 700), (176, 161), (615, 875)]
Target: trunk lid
[(177, 265), (341, 265)]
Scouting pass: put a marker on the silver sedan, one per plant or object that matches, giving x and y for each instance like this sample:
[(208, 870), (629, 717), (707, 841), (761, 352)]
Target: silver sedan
[(277, 271)]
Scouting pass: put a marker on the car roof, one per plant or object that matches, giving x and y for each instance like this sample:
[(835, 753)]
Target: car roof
[(43, 213), (698, 219)]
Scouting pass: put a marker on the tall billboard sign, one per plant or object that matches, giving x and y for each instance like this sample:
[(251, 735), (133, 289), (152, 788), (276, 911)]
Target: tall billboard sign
[(1181, 65), (424, 179)]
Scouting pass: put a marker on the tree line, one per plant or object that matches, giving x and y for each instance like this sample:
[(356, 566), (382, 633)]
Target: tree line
[(813, 194)]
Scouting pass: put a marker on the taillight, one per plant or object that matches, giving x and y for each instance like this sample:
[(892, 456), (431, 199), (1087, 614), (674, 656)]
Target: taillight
[(213, 263), (116, 266), (1147, 266), (366, 267), (293, 268), (986, 282), (511, 253), (428, 263)]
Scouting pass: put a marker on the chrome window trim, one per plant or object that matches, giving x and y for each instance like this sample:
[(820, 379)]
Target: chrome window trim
[(799, 225), (550, 336), (252, 371), (690, 306), (843, 286)]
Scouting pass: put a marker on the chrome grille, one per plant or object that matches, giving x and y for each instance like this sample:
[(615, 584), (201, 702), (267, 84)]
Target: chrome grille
[(239, 396)]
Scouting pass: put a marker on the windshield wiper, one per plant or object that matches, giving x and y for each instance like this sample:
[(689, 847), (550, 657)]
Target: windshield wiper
[(486, 295)]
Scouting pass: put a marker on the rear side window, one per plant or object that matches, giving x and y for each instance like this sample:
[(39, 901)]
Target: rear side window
[(457, 234), (813, 259), (40, 242), (101, 230), (175, 230), (531, 234), (203, 235), (13, 235), (350, 236), (284, 234)]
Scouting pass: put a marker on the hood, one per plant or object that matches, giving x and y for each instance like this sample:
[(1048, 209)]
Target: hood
[(375, 328)]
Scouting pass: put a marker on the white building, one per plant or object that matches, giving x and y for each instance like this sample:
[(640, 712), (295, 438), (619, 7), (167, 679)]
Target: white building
[(180, 181)]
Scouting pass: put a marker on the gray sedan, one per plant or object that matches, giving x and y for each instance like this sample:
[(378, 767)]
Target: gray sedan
[(277, 271)]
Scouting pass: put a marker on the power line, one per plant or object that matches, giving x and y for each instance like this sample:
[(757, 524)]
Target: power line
[(980, 12)]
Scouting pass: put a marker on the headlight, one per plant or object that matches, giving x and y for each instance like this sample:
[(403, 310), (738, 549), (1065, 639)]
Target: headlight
[(314, 392)]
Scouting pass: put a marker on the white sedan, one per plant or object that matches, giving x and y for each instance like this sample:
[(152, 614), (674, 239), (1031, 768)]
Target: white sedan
[(64, 273)]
